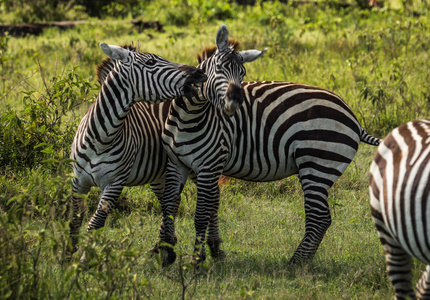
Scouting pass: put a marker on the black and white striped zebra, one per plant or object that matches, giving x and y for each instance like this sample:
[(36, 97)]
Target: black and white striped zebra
[(114, 145), (400, 203), (223, 66), (280, 129)]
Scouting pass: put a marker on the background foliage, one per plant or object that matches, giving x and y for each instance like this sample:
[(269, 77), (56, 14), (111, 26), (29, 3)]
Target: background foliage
[(376, 59)]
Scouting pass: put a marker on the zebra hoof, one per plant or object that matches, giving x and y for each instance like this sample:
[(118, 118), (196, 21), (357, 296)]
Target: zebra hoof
[(198, 259), (218, 255), (298, 261), (215, 250), (221, 255), (168, 255)]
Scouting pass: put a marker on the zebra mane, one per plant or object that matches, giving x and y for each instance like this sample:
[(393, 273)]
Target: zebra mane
[(107, 64), (210, 50)]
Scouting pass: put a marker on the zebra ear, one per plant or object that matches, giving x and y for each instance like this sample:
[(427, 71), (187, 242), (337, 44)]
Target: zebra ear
[(251, 55), (115, 52), (222, 38)]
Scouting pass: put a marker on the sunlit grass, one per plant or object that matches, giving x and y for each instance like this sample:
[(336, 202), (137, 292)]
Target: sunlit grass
[(376, 60)]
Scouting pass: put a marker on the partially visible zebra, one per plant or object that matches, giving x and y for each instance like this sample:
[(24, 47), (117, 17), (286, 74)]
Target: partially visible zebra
[(111, 147), (400, 203), (280, 129)]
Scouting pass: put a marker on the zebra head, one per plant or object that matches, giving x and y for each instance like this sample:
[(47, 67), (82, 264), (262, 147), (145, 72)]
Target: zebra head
[(153, 78), (224, 67)]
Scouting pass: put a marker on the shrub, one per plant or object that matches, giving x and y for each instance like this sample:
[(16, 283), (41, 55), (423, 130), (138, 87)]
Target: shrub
[(41, 130)]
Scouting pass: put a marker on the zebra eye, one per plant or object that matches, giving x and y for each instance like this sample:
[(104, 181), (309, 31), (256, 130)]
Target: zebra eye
[(150, 62), (218, 65)]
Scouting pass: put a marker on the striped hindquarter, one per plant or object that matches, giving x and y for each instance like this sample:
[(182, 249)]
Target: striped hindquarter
[(281, 129), (400, 199)]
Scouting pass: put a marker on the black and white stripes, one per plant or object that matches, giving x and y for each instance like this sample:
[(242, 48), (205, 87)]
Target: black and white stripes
[(400, 203), (114, 145), (281, 129)]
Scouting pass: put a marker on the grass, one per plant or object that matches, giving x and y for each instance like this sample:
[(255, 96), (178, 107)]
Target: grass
[(377, 60), (261, 225)]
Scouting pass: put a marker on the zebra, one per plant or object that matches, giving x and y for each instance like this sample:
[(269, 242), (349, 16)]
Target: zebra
[(110, 148), (278, 129), (399, 188), (225, 72)]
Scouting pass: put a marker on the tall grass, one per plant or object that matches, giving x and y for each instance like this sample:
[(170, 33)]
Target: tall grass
[(376, 60)]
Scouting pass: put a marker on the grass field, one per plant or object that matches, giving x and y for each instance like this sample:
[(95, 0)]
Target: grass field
[(376, 60)]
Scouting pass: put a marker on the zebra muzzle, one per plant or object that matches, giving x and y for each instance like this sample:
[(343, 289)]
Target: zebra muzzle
[(233, 99), (194, 80), (230, 108), (194, 75)]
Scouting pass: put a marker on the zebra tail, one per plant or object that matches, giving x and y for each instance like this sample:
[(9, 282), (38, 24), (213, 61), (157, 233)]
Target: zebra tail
[(368, 139)]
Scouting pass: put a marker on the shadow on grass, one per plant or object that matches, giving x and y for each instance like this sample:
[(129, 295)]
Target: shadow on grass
[(364, 272)]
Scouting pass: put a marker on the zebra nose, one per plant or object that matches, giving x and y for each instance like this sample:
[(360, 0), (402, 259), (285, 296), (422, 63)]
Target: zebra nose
[(194, 75), (233, 99), (234, 94)]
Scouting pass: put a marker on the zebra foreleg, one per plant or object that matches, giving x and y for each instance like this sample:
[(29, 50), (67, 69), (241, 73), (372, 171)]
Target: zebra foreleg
[(176, 178), (318, 220), (107, 202), (78, 213), (213, 236), (206, 211)]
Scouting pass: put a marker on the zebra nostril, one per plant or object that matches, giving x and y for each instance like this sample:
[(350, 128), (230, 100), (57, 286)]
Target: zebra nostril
[(234, 93)]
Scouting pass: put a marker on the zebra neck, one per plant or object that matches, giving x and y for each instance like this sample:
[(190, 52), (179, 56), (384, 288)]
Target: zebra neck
[(109, 112)]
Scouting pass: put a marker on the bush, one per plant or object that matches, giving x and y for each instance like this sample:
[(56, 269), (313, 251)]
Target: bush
[(41, 130)]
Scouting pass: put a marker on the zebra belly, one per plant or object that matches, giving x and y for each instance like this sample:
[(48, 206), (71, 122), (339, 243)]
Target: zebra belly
[(254, 170), (147, 169)]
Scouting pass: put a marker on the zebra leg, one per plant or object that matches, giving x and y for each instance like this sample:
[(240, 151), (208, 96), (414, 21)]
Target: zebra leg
[(399, 267), (213, 237), (206, 210), (317, 218), (176, 177), (398, 261), (78, 213), (423, 286), (107, 202)]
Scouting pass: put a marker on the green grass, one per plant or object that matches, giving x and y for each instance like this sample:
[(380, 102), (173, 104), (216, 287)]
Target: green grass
[(377, 60)]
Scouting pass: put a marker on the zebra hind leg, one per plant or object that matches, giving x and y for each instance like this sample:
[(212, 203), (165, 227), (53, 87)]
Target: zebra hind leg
[(398, 261), (423, 286), (317, 220), (399, 267)]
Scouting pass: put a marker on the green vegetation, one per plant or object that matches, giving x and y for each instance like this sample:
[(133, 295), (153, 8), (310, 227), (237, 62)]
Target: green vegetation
[(376, 59)]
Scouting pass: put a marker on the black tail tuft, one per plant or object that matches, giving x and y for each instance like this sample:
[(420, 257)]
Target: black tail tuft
[(368, 139)]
